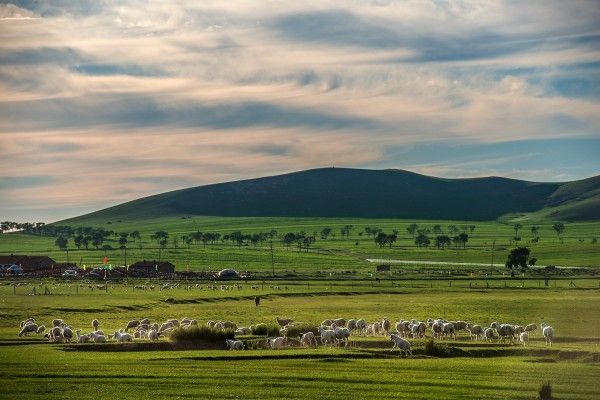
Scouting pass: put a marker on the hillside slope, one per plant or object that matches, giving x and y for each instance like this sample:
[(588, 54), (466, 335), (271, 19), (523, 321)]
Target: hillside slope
[(343, 192)]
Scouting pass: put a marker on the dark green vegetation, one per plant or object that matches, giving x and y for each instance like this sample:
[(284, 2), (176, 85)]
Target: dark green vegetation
[(342, 192), (367, 369), (344, 248)]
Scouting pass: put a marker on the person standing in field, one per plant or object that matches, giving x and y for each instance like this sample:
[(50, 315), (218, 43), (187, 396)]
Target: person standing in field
[(257, 301)]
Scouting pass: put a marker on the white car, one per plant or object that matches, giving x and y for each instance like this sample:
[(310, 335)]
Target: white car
[(70, 273)]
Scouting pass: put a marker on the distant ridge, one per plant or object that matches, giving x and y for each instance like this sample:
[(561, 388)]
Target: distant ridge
[(346, 192)]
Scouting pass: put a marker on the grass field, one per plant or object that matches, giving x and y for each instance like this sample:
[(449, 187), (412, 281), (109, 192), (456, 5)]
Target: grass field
[(31, 368), (333, 254)]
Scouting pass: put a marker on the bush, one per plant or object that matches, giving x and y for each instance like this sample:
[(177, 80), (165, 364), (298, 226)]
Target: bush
[(298, 330), (200, 334), (265, 330), (546, 391), (435, 350)]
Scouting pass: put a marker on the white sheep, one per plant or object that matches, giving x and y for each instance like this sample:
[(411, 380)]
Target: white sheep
[(548, 333), (361, 326), (57, 322), (308, 339), (401, 344), (277, 342), (132, 324), (98, 338), (234, 344), (122, 337), (28, 328), (40, 329), (82, 338), (490, 334), (153, 335), (67, 333), (55, 334), (530, 327), (524, 338), (327, 335), (27, 321), (448, 330), (506, 331), (386, 324), (476, 331)]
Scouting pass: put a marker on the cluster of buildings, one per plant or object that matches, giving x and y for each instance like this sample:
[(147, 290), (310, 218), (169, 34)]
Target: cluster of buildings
[(45, 266)]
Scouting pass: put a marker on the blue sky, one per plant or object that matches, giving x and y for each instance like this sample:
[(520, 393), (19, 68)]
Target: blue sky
[(106, 101)]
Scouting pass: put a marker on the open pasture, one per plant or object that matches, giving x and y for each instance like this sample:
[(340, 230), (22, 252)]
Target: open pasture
[(366, 366), (490, 241)]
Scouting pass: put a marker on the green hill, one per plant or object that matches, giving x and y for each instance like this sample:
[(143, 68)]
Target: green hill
[(344, 192)]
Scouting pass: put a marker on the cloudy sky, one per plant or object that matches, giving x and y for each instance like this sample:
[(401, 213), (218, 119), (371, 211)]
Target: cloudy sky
[(107, 101)]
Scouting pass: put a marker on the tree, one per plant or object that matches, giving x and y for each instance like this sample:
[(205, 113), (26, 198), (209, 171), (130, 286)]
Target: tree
[(412, 229), (307, 241), (161, 245), (472, 229), (452, 229), (86, 241), (78, 239), (463, 238), (559, 228), (372, 230), (517, 227), (442, 241), (437, 229), (288, 239), (123, 245), (135, 235), (383, 239), (159, 236), (422, 240), (62, 242), (325, 232), (346, 230), (106, 248), (519, 257)]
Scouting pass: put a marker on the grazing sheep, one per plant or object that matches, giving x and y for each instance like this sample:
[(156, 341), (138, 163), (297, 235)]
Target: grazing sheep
[(153, 335), (98, 338), (243, 331), (27, 321), (82, 338), (351, 325), (327, 335), (506, 331), (524, 338), (459, 325), (57, 322), (417, 329), (122, 337), (165, 326), (283, 322), (132, 324), (437, 329), (234, 344), (448, 330), (490, 334), (144, 321), (55, 334), (308, 339), (327, 322), (28, 328), (361, 326), (518, 329), (278, 342), (341, 335), (476, 331), (530, 327), (339, 322), (403, 328), (401, 344), (386, 324), (40, 329), (67, 334), (95, 324), (548, 333)]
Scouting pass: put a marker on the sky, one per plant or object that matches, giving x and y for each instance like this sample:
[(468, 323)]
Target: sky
[(106, 101)]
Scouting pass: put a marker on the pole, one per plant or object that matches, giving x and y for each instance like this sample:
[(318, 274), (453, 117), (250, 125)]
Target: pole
[(272, 257), (492, 263)]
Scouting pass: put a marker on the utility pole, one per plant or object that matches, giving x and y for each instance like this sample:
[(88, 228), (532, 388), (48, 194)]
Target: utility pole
[(272, 257), (492, 263)]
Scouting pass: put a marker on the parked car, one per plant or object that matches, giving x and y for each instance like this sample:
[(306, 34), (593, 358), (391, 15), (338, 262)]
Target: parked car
[(15, 270), (70, 273)]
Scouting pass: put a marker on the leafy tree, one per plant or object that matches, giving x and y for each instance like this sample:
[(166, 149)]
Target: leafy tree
[(346, 230), (412, 229), (422, 240), (559, 228), (594, 240), (535, 230), (517, 227), (452, 229), (161, 245), (437, 229), (78, 239), (135, 235), (519, 257), (159, 236), (383, 239), (442, 241), (288, 239), (463, 238), (325, 232), (106, 248), (62, 242)]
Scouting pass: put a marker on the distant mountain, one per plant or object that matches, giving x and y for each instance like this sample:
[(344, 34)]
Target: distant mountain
[(344, 192)]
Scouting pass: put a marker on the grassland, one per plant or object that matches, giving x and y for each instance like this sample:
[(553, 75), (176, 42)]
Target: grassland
[(489, 241), (30, 368)]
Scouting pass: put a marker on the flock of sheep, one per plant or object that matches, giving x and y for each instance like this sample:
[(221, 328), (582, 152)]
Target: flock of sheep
[(330, 332)]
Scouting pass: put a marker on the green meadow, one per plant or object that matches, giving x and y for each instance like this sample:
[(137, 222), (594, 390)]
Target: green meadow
[(489, 242)]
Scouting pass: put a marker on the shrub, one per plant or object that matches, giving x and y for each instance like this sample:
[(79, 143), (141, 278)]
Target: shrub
[(265, 330), (200, 334), (298, 330), (435, 350), (546, 391)]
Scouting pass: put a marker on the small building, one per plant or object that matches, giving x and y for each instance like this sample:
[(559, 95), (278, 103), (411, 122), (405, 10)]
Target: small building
[(228, 274), (149, 268), (31, 265)]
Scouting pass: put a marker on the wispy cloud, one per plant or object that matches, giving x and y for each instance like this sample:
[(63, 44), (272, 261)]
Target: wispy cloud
[(140, 97)]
